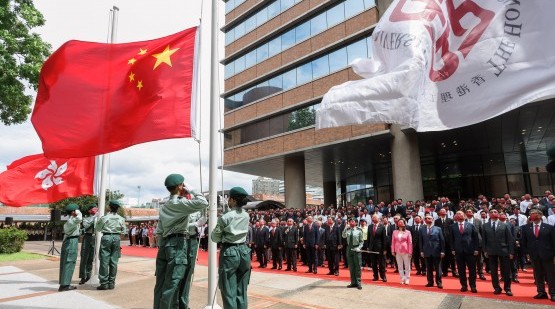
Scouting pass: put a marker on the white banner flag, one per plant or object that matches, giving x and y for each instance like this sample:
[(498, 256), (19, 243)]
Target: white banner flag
[(443, 64)]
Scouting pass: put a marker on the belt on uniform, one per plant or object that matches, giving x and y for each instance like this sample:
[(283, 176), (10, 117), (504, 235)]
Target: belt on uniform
[(88, 234), (228, 244), (180, 235), (70, 237), (110, 233)]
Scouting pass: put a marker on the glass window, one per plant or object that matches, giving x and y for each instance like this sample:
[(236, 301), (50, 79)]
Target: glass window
[(336, 15), (229, 36), (274, 9), (285, 4), (320, 67), (318, 24), (262, 16), (239, 30), (304, 73), (338, 60), (288, 39), (276, 82), (353, 7), (274, 47), (277, 125), (239, 64), (302, 32), (369, 46), (229, 69), (289, 79), (357, 50), (250, 24), (229, 5), (250, 59), (369, 3), (262, 53)]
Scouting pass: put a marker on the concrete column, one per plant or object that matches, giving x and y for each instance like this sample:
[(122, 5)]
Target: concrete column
[(405, 163), (330, 196), (382, 5), (295, 192)]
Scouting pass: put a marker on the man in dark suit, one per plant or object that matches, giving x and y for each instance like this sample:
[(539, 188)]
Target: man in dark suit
[(464, 243), (261, 240), (444, 223), (377, 243), (499, 248), (321, 244), (310, 243), (432, 247), (388, 229), (418, 261), (397, 208), (538, 241), (477, 223), (276, 245), (332, 245), (290, 242)]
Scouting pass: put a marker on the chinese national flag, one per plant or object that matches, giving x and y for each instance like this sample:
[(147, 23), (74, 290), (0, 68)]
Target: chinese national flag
[(96, 98), (37, 180)]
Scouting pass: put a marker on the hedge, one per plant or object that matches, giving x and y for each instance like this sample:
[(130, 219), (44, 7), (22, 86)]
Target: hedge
[(11, 240)]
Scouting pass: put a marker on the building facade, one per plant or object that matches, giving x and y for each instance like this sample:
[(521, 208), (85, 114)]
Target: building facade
[(282, 56)]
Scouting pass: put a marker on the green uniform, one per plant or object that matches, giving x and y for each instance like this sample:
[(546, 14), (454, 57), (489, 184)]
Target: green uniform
[(87, 248), (354, 241), (235, 263), (192, 249), (70, 245), (112, 226), (172, 259)]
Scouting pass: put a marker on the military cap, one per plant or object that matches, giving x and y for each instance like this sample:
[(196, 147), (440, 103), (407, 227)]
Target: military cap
[(174, 180), (115, 203), (71, 207), (237, 191)]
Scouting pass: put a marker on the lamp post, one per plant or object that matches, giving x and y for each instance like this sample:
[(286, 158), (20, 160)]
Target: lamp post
[(139, 197)]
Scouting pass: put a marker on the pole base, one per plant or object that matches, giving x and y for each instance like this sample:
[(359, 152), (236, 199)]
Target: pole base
[(216, 306), (93, 281)]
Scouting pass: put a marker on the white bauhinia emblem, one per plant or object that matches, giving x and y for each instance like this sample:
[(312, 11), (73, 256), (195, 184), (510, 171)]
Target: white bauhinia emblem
[(52, 174)]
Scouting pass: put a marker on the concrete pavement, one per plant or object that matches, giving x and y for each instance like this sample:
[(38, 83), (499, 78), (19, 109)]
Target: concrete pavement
[(33, 284)]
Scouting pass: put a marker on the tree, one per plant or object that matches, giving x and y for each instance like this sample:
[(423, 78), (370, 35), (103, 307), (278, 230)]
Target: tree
[(22, 54), (301, 118), (85, 201)]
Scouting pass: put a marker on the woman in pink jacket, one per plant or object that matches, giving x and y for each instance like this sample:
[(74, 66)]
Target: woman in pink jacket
[(401, 249)]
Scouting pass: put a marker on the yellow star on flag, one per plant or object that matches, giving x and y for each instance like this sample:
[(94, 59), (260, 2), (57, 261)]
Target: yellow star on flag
[(142, 51), (164, 57), (140, 84), (131, 61), (131, 77)]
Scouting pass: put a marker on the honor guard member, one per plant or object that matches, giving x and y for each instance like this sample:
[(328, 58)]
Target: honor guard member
[(172, 232), (355, 241), (196, 221), (87, 245), (111, 226), (68, 257), (235, 263)]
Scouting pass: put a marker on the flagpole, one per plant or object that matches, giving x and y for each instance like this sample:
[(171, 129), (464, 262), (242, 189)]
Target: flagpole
[(212, 175), (103, 159)]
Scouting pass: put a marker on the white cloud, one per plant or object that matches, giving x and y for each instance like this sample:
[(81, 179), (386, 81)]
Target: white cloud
[(148, 164)]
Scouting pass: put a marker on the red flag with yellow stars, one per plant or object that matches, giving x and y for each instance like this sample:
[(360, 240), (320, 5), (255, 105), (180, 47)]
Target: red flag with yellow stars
[(96, 98)]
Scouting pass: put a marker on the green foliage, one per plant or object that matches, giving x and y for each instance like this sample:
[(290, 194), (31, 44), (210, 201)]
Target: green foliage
[(85, 201), (301, 118), (20, 256), (22, 54), (11, 240)]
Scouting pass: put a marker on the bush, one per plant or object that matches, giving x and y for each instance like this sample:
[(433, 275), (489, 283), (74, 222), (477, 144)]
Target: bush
[(11, 240)]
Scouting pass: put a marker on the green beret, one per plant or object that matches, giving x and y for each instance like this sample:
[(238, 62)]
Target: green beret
[(237, 191), (72, 207), (174, 180), (115, 203)]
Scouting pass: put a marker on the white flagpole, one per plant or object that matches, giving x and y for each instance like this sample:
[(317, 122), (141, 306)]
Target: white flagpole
[(212, 175), (103, 172)]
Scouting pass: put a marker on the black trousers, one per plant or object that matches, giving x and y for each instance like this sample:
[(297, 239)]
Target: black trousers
[(433, 264), (448, 261), (494, 262), (291, 254), (419, 262), (311, 258), (479, 263), (378, 265), (544, 271), (464, 261), (277, 258), (332, 255), (261, 256)]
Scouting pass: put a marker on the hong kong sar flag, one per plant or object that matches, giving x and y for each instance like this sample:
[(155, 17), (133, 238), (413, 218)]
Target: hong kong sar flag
[(37, 180)]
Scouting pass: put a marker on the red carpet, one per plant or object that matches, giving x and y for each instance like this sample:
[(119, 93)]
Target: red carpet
[(523, 291)]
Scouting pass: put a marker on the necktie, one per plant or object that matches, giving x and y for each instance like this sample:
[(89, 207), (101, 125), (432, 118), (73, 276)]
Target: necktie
[(375, 226), (461, 228), (493, 225), (429, 229), (417, 228), (351, 238), (536, 230)]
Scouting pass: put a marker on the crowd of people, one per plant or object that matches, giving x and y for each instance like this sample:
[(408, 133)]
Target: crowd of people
[(467, 240)]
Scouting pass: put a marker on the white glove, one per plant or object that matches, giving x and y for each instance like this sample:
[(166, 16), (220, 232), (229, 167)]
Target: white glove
[(201, 221), (356, 249)]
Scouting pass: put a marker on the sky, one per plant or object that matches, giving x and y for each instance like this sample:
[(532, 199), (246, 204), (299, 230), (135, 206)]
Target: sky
[(148, 164)]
